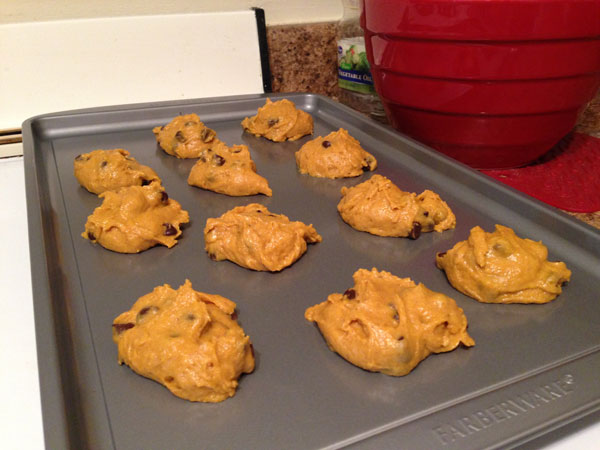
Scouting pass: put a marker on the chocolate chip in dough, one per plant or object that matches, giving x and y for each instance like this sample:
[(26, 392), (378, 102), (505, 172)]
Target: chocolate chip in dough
[(396, 315), (350, 294), (179, 136), (145, 312), (416, 231), (326, 144), (120, 327), (164, 197), (170, 230), (91, 236), (218, 159), (207, 134), (273, 121)]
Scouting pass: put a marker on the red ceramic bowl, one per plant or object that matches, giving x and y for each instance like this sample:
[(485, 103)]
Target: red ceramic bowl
[(491, 83)]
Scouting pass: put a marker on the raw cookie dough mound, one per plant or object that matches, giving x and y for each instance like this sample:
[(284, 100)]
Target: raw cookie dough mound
[(501, 267), (388, 324), (279, 121), (228, 170), (186, 340), (185, 137), (256, 239), (379, 207), (107, 170), (133, 219), (337, 155)]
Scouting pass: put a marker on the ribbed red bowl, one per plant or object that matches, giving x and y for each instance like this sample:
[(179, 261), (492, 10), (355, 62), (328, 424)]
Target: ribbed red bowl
[(491, 83)]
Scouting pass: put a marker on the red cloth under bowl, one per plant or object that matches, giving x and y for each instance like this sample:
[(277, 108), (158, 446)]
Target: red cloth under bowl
[(567, 177)]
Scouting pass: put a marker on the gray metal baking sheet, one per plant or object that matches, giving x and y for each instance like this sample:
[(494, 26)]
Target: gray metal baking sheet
[(533, 368)]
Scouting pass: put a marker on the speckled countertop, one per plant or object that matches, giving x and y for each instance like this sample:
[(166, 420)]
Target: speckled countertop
[(303, 58)]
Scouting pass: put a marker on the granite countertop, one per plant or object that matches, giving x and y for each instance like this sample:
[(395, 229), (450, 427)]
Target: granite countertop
[(303, 58)]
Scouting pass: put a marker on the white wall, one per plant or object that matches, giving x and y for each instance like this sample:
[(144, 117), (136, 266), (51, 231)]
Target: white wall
[(277, 12)]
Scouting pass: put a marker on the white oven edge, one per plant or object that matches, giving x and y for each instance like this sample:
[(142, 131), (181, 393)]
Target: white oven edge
[(21, 424)]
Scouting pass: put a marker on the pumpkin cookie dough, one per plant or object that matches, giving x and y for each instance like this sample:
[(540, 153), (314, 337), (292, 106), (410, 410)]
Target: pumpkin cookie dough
[(107, 170), (389, 324), (501, 267), (185, 137), (379, 207), (256, 239), (279, 121), (228, 170), (337, 155), (135, 218), (186, 340)]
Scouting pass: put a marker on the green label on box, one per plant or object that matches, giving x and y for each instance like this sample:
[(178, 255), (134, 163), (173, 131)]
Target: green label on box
[(354, 71)]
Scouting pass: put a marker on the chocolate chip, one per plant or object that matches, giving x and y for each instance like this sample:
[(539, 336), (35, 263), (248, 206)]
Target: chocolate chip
[(218, 159), (212, 256), (145, 182), (426, 213), (207, 135), (81, 158), (103, 163), (141, 315), (237, 150), (170, 230), (401, 338), (91, 236), (416, 231), (234, 315), (273, 121), (190, 317), (326, 144), (120, 327), (396, 316), (441, 254), (147, 309), (164, 197), (169, 379), (179, 136), (350, 294)]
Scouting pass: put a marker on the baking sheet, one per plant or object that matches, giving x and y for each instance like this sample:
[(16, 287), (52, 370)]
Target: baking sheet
[(533, 368)]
